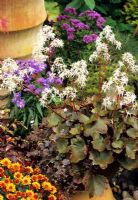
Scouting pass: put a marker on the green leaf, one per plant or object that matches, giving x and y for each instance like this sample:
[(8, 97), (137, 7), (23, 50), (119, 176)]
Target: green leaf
[(76, 130), (52, 9), (99, 144), (103, 159), (133, 121), (95, 184), (90, 4), (110, 22), (133, 133), (101, 9), (38, 106), (99, 127), (128, 163), (78, 150), (83, 118), (53, 119), (131, 149), (75, 4), (118, 144), (36, 121), (62, 145)]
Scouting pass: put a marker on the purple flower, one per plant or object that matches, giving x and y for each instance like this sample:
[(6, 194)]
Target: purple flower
[(31, 87), (70, 30), (20, 103), (27, 79), (79, 25), (90, 38), (38, 91), (33, 66), (58, 81), (75, 21), (70, 36), (16, 97), (70, 11), (90, 13), (65, 26), (100, 21), (42, 81), (62, 17)]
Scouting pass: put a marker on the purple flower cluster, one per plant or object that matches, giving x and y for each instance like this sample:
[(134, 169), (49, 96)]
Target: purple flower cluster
[(70, 31), (33, 66), (33, 81), (86, 22), (70, 11), (62, 17), (79, 25), (93, 15), (20, 103), (90, 38)]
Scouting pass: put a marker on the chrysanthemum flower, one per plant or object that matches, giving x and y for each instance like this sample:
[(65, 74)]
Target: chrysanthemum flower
[(15, 167), (52, 197), (5, 162), (18, 175), (46, 186), (10, 187), (36, 185), (53, 190), (29, 169), (29, 193), (26, 180)]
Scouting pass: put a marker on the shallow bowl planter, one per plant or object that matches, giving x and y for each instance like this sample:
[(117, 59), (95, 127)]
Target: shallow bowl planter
[(24, 19), (107, 195)]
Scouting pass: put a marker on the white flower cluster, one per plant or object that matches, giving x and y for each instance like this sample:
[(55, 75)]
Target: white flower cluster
[(47, 95), (9, 78), (80, 72), (57, 43), (47, 37), (102, 52), (9, 65), (129, 62), (68, 93), (108, 34), (50, 93), (60, 68), (115, 90)]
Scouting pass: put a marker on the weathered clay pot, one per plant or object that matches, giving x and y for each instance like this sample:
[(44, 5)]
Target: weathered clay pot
[(24, 20), (107, 195)]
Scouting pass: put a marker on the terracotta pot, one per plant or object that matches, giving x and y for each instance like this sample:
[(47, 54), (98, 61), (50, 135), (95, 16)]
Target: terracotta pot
[(107, 195), (24, 19)]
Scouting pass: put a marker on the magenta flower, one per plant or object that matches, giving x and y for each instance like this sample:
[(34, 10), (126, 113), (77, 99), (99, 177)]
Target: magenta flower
[(70, 11)]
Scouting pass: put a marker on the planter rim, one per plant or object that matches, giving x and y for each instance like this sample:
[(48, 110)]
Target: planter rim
[(22, 14)]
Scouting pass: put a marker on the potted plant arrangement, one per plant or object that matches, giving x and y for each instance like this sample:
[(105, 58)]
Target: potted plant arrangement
[(89, 137)]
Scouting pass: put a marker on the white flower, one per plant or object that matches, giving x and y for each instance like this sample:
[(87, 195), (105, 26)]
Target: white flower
[(128, 98), (59, 67), (107, 102), (106, 38), (68, 92), (9, 66), (57, 43), (128, 59), (79, 70)]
